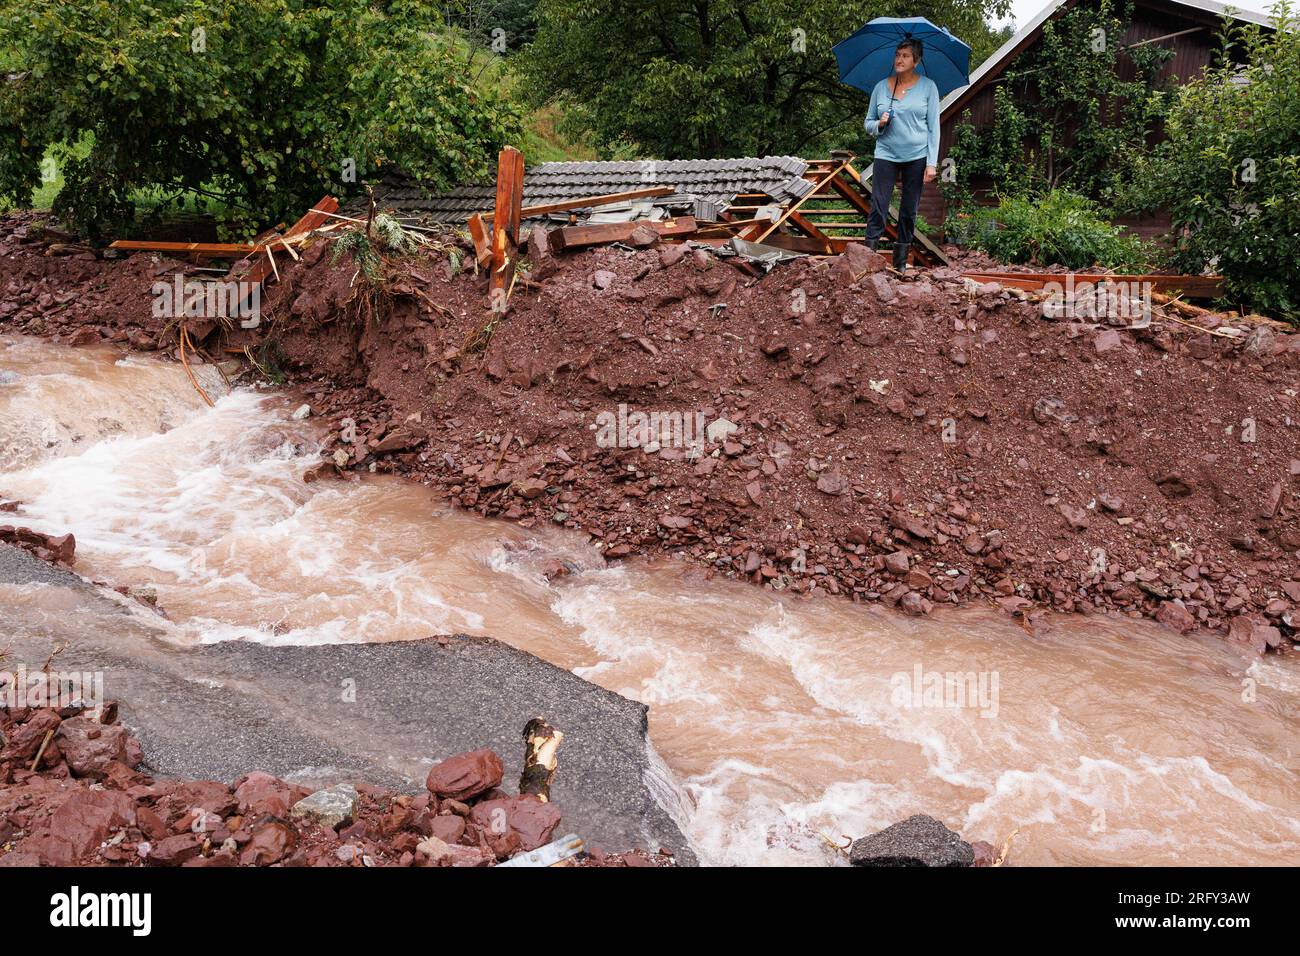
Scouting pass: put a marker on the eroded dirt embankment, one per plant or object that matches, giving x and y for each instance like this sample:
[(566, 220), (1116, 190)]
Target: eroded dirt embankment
[(915, 442)]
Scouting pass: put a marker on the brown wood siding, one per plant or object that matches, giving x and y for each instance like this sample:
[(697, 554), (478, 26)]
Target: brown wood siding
[(1193, 53)]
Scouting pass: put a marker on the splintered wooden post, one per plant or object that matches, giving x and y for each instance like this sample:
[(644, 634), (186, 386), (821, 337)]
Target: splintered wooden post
[(505, 226), (541, 741)]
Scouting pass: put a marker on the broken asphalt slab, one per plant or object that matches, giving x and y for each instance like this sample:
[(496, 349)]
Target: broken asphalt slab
[(382, 713)]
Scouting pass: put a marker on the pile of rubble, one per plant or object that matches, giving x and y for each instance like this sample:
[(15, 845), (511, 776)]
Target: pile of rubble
[(921, 440), (72, 794)]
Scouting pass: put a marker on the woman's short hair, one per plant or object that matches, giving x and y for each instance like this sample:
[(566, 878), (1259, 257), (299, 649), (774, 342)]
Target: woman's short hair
[(915, 46)]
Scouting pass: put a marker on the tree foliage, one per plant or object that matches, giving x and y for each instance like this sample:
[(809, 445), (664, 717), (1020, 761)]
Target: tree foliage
[(1063, 116), (701, 78), (266, 104), (1229, 172)]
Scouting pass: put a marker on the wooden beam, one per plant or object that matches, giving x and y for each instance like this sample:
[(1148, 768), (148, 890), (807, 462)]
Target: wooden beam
[(814, 247), (1199, 287), (314, 218), (221, 250), (810, 229), (478, 232), (795, 208), (582, 202), (577, 237), (505, 226)]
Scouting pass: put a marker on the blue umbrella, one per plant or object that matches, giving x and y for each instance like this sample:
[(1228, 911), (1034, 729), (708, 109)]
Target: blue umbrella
[(867, 57)]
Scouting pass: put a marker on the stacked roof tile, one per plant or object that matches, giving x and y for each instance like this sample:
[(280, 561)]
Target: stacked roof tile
[(704, 186)]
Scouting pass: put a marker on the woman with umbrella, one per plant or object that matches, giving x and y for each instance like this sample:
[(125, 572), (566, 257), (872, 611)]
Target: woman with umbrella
[(904, 111), (904, 118)]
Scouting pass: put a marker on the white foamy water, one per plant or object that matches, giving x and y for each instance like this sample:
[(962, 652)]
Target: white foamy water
[(786, 725)]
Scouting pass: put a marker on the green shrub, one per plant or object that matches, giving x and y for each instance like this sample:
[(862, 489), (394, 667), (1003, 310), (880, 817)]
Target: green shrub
[(264, 105), (1058, 227), (1229, 172)]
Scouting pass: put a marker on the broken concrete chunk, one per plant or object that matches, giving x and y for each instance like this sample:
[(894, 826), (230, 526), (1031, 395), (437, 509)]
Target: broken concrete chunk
[(917, 841), (331, 807)]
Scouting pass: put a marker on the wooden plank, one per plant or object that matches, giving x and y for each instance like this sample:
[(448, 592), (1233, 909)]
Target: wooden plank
[(810, 229), (314, 218), (1200, 287), (582, 202), (505, 226), (814, 247), (577, 237), (795, 208), (932, 251), (478, 232), (223, 250)]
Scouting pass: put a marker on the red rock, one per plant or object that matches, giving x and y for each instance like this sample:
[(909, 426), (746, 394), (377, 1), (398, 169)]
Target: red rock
[(89, 747), (84, 336), (466, 775), (176, 850), (84, 821), (436, 852), (151, 824), (643, 237), (270, 842), (832, 483), (1112, 503), (220, 858), (402, 438), (448, 827), (985, 853), (671, 253), (27, 738), (530, 487), (259, 794), (1106, 340), (528, 819), (914, 604), (1243, 630), (857, 261), (209, 795), (897, 563), (60, 549), (1075, 517), (1174, 615)]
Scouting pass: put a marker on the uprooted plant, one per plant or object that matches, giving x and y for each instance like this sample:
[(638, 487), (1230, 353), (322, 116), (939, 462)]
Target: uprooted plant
[(373, 246)]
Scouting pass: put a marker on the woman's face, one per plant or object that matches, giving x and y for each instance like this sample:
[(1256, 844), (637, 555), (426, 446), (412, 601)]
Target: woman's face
[(903, 61)]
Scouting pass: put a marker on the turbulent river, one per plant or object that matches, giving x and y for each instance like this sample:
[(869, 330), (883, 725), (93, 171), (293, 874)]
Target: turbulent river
[(785, 723)]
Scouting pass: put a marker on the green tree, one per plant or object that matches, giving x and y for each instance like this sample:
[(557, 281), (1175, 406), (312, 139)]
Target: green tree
[(1229, 172), (264, 104), (688, 78)]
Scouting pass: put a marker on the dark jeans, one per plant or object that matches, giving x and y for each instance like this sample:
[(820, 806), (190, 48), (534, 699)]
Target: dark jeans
[(883, 176)]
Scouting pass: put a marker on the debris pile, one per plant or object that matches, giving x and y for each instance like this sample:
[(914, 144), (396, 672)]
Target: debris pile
[(922, 441), (72, 793)]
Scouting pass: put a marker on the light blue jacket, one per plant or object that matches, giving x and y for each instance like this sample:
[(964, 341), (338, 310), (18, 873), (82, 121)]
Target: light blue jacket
[(913, 127)]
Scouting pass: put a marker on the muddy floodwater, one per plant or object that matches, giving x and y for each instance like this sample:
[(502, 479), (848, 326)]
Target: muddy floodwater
[(786, 724)]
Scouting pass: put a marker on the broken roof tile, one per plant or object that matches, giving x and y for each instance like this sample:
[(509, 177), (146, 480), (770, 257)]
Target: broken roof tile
[(707, 181)]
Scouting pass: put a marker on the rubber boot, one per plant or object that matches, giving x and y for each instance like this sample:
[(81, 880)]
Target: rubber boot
[(872, 244), (900, 257)]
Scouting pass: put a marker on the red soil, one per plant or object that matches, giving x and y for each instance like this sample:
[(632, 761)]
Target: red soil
[(1085, 468)]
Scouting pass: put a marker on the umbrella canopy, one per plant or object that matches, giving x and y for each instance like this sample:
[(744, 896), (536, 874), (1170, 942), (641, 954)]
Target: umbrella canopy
[(867, 57)]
